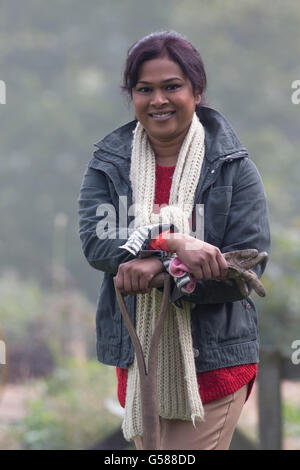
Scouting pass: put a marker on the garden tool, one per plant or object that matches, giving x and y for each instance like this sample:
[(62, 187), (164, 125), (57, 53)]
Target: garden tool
[(239, 264), (148, 372)]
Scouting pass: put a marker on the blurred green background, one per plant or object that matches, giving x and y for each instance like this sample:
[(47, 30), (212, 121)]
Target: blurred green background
[(62, 64)]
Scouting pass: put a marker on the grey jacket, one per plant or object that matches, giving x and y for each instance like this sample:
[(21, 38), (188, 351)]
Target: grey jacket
[(224, 324)]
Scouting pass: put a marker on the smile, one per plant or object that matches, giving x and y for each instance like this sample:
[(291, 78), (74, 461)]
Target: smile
[(162, 116)]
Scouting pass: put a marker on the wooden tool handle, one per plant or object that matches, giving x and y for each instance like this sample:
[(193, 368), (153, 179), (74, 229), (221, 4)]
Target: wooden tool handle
[(148, 372), (158, 280)]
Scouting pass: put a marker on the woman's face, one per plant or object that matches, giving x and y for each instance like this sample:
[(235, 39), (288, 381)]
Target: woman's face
[(163, 99)]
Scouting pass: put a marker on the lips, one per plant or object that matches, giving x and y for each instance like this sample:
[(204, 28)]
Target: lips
[(161, 115)]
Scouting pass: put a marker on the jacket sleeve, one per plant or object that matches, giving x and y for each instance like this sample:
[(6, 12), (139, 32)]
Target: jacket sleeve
[(96, 212), (247, 227)]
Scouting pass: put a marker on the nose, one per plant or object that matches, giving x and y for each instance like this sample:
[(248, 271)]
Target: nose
[(158, 98)]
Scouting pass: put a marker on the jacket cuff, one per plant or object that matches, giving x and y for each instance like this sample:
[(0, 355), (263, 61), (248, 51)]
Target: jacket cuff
[(140, 239), (160, 243)]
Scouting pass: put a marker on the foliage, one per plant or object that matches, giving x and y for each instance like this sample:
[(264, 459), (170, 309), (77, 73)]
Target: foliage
[(63, 66), (40, 327), (20, 303), (70, 411), (279, 311), (43, 330), (291, 416)]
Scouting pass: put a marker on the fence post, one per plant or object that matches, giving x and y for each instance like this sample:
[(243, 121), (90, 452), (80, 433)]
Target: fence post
[(269, 400)]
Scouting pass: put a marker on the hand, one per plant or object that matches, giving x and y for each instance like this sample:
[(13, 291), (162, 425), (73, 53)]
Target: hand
[(134, 276), (204, 260)]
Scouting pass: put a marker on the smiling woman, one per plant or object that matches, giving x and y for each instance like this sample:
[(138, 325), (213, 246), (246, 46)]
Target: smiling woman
[(176, 154), (166, 89), (164, 103)]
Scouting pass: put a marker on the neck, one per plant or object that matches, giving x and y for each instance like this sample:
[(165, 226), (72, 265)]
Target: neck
[(166, 152)]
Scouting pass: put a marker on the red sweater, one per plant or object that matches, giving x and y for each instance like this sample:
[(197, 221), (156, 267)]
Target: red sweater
[(213, 384)]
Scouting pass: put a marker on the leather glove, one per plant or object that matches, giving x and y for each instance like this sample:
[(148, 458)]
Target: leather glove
[(239, 270), (240, 263)]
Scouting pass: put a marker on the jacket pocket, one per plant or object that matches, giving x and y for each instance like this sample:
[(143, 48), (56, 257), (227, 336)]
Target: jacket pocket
[(238, 325), (216, 210)]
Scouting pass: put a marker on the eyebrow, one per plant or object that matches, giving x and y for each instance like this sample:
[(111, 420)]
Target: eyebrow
[(164, 81)]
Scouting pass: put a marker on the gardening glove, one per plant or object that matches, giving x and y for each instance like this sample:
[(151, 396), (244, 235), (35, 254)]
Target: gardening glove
[(240, 263)]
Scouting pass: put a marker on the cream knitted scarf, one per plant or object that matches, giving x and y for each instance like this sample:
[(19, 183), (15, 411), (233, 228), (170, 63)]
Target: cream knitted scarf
[(177, 382)]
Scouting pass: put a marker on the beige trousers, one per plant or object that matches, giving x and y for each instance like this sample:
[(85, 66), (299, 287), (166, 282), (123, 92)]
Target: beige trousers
[(215, 433)]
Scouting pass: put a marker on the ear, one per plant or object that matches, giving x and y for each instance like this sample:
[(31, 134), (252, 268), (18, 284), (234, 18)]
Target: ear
[(197, 98)]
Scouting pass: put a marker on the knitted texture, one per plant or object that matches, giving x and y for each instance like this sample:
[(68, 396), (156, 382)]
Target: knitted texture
[(163, 178), (213, 384), (177, 382)]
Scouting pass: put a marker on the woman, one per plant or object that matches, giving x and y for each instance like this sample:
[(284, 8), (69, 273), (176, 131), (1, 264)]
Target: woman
[(176, 155)]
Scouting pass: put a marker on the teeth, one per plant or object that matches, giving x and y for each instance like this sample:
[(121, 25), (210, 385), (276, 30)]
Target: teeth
[(161, 114)]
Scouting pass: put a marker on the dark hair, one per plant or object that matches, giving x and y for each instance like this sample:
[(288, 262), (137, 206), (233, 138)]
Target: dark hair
[(169, 43)]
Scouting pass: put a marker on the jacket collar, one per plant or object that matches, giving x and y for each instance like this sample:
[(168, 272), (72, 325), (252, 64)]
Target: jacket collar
[(220, 138)]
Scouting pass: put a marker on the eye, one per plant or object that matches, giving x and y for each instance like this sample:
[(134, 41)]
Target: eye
[(173, 86), (143, 89)]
